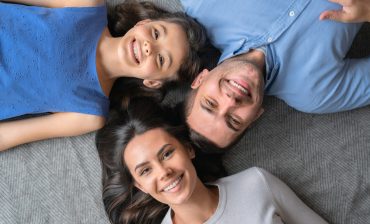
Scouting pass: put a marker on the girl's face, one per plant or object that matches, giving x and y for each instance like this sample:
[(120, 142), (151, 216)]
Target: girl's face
[(153, 50), (161, 166)]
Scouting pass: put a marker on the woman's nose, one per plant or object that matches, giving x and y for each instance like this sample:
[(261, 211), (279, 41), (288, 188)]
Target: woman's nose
[(165, 172)]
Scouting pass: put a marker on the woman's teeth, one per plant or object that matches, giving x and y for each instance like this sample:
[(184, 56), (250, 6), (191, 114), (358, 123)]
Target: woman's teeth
[(173, 185)]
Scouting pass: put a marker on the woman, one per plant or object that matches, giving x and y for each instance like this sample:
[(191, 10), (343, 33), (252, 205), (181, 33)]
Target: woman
[(149, 174), (65, 61)]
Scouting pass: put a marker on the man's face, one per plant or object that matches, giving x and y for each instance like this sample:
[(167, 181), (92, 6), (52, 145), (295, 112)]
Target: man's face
[(228, 99)]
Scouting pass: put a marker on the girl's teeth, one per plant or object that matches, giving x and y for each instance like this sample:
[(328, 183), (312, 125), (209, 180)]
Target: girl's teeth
[(136, 51)]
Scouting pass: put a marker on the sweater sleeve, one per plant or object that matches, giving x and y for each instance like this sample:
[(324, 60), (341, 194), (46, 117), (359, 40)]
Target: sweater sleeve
[(291, 209)]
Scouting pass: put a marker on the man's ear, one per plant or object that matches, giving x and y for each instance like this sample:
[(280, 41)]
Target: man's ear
[(142, 22), (199, 79), (153, 84), (137, 185)]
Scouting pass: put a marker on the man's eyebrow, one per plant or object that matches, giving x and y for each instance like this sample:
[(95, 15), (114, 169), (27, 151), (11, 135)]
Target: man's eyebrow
[(160, 151)]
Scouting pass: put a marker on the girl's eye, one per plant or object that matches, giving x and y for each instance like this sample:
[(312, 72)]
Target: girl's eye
[(168, 154), (161, 59), (156, 34)]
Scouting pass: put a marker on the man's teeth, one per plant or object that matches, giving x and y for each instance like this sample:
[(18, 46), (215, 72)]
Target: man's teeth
[(235, 84), (173, 185)]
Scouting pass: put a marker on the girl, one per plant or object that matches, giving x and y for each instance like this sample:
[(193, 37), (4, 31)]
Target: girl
[(149, 174), (60, 57)]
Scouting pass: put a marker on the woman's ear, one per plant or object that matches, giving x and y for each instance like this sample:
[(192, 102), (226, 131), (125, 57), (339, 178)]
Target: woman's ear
[(137, 185), (153, 84), (199, 79), (142, 22)]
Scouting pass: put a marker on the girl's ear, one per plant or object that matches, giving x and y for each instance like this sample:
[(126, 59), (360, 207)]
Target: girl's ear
[(191, 152), (199, 79), (153, 84), (137, 185), (142, 22)]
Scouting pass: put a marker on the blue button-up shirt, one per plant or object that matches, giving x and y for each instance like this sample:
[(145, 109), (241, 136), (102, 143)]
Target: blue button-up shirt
[(305, 63)]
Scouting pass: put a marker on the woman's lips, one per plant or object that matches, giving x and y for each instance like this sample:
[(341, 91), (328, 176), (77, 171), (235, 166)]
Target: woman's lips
[(172, 187)]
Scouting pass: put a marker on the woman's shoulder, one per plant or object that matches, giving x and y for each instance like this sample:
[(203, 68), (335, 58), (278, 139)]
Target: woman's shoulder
[(251, 175)]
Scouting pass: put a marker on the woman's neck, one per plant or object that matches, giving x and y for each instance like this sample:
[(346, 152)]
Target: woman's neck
[(199, 208)]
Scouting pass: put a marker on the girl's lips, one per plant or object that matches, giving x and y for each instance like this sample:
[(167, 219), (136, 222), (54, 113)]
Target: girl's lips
[(135, 51)]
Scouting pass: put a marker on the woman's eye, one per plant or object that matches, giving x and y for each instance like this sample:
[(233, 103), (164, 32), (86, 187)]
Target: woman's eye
[(156, 34), (161, 59), (144, 171)]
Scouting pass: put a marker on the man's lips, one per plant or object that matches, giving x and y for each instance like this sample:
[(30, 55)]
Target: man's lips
[(238, 87)]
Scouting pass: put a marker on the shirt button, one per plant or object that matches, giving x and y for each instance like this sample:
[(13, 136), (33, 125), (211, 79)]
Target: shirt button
[(269, 39), (291, 13)]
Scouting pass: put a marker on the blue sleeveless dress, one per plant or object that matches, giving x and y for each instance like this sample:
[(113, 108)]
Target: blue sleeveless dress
[(47, 60)]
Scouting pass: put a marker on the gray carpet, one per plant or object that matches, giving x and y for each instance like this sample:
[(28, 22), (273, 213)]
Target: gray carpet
[(323, 158)]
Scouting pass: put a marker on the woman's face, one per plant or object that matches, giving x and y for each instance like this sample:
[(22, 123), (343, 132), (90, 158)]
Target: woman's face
[(161, 166), (154, 50)]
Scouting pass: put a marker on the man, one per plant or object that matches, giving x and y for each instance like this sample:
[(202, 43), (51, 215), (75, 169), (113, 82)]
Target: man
[(287, 50)]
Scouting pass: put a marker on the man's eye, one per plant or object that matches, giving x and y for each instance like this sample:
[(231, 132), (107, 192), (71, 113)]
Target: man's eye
[(156, 34), (161, 59), (210, 103), (234, 121)]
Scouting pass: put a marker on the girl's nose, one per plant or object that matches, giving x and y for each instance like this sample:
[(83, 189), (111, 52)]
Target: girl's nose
[(147, 48)]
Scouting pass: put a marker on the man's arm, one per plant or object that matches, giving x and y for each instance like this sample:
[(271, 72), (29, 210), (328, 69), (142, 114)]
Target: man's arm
[(352, 11), (13, 133), (59, 3)]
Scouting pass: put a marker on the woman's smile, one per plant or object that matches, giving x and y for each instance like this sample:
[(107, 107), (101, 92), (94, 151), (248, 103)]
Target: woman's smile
[(174, 186)]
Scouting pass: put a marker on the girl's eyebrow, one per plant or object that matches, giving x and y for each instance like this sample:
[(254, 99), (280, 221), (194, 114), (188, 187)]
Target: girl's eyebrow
[(160, 151), (163, 29)]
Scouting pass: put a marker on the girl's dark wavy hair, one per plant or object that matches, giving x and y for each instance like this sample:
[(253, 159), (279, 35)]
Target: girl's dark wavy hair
[(122, 17), (124, 203)]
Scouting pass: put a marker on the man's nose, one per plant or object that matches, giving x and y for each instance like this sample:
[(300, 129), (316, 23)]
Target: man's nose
[(230, 98), (147, 48)]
